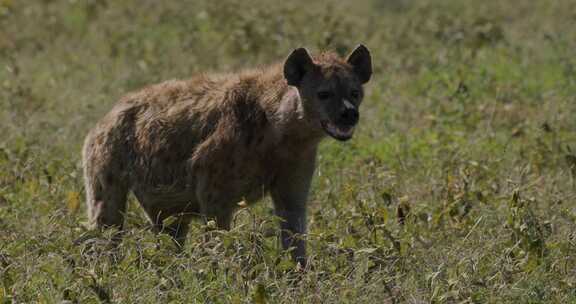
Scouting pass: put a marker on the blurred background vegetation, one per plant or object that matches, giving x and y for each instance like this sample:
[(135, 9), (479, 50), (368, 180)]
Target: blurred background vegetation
[(458, 188)]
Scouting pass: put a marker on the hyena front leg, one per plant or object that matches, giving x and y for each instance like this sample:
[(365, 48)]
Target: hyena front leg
[(293, 229), (290, 193)]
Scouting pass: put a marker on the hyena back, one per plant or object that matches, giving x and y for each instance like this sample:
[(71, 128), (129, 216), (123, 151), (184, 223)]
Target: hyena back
[(198, 147)]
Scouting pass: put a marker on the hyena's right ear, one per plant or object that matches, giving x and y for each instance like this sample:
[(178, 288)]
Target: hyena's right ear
[(361, 61), (297, 64)]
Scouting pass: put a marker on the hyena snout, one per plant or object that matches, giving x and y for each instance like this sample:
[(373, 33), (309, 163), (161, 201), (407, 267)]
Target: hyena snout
[(349, 117), (342, 126)]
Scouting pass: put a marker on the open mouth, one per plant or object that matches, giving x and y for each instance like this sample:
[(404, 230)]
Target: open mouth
[(339, 132)]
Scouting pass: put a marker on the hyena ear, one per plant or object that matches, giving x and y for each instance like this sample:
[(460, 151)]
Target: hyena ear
[(361, 61), (296, 65)]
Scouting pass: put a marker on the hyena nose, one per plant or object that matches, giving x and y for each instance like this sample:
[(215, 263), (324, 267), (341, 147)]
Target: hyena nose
[(349, 117)]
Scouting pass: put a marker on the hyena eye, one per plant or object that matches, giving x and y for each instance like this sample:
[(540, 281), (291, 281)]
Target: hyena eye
[(323, 95), (355, 94)]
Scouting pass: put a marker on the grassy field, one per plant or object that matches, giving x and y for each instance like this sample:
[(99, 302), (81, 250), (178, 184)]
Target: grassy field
[(459, 186)]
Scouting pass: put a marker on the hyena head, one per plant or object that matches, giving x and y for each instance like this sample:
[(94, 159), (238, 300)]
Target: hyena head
[(330, 88)]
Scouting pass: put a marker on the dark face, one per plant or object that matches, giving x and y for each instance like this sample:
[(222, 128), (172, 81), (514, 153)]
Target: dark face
[(331, 90), (332, 98)]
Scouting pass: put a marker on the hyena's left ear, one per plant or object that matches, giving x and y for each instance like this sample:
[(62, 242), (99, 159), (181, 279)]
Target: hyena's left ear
[(297, 64), (361, 61)]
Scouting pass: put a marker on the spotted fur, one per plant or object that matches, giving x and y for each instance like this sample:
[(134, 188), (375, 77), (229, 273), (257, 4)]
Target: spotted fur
[(197, 147)]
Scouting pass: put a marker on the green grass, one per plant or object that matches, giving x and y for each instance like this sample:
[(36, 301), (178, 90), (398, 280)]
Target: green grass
[(458, 188)]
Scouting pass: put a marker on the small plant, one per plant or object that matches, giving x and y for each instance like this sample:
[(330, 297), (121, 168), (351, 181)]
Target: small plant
[(528, 233)]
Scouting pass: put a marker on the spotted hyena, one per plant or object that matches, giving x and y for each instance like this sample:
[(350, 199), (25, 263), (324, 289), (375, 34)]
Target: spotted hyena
[(197, 147)]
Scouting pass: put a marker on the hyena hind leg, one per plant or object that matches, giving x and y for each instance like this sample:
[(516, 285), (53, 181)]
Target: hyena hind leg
[(106, 197)]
